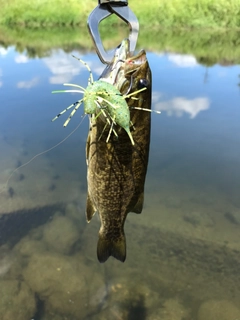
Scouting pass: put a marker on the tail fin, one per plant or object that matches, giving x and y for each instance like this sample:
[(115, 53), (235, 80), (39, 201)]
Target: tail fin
[(115, 248)]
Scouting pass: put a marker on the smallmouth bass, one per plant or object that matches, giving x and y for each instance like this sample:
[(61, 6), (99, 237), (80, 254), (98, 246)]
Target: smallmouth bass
[(117, 169)]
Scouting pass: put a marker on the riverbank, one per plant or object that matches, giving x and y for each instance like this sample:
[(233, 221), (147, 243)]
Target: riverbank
[(154, 13)]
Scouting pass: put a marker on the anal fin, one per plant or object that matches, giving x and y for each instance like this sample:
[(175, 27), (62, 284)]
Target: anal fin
[(90, 209), (139, 205)]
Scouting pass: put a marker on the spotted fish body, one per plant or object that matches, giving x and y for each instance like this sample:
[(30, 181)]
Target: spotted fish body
[(117, 170)]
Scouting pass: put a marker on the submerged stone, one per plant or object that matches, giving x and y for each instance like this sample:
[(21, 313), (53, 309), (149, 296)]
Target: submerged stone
[(61, 234), (64, 284), (17, 300), (218, 310)]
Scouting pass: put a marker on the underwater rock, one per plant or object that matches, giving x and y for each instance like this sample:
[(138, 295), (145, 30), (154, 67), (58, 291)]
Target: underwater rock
[(64, 284), (233, 217), (27, 247), (174, 310), (21, 177), (128, 299), (17, 300), (36, 233), (11, 192), (60, 234), (5, 265), (52, 316), (171, 309), (114, 312), (5, 260), (218, 310), (196, 219)]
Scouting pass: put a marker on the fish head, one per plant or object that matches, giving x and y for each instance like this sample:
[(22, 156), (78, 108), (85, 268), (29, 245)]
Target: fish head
[(129, 73)]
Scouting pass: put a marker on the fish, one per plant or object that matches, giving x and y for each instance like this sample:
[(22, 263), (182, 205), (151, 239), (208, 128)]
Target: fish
[(116, 170)]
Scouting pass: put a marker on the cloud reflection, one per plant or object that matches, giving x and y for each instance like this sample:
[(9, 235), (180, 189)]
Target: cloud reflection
[(3, 51), (64, 67), (28, 84), (178, 106), (1, 83), (21, 59), (156, 96), (183, 61)]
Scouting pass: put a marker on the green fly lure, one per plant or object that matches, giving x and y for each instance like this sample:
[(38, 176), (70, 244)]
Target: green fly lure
[(101, 97)]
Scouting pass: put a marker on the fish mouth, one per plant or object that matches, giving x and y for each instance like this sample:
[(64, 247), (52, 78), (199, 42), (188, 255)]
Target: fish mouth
[(122, 63), (111, 72), (124, 60), (122, 54)]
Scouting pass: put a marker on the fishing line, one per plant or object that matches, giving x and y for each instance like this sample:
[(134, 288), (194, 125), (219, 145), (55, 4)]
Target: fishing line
[(39, 154)]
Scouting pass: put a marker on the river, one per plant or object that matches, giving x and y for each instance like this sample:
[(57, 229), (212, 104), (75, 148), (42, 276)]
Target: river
[(183, 251)]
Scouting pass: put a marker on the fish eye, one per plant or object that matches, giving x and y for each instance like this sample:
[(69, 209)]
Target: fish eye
[(131, 62), (143, 83)]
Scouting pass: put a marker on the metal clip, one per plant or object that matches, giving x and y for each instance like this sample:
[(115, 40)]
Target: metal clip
[(120, 2), (104, 10)]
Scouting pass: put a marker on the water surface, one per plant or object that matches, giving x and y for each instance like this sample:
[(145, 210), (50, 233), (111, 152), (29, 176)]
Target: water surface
[(182, 251)]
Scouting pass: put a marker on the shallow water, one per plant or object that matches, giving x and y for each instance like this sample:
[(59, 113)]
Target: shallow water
[(182, 251)]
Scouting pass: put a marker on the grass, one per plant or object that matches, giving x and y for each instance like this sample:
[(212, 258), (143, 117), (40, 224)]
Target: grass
[(199, 13), (153, 13), (44, 13)]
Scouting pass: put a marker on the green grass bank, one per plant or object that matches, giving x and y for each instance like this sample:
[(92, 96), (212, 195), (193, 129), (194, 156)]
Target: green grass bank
[(151, 13)]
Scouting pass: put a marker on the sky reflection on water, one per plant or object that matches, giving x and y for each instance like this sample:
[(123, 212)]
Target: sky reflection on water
[(200, 107), (193, 180)]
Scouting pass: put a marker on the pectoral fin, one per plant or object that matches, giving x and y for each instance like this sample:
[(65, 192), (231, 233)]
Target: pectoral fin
[(90, 209), (139, 205)]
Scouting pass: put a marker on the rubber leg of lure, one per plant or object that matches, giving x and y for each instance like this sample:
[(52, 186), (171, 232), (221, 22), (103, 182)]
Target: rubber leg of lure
[(76, 86), (72, 113), (103, 131), (90, 79), (109, 133), (107, 117), (110, 124), (71, 106), (144, 109), (133, 93), (131, 123)]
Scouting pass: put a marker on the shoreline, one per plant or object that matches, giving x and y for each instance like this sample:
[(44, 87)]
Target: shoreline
[(208, 46), (213, 14)]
